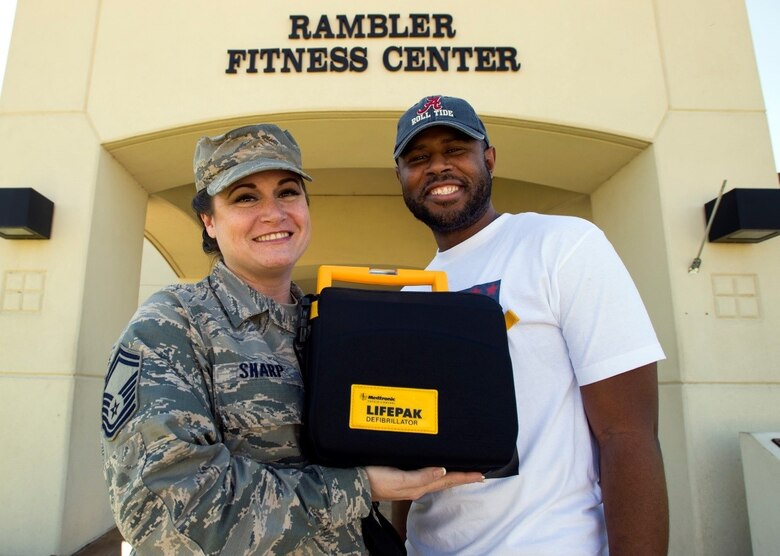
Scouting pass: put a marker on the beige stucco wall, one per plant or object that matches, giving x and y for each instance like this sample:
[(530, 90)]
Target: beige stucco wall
[(628, 113), (53, 358), (553, 40)]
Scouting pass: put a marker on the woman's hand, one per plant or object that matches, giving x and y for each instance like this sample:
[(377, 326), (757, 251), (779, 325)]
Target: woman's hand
[(389, 483)]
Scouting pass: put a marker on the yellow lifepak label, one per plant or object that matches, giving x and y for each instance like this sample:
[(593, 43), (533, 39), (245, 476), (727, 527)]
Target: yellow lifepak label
[(389, 408)]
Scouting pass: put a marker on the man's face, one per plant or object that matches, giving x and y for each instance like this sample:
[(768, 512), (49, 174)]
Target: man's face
[(446, 178)]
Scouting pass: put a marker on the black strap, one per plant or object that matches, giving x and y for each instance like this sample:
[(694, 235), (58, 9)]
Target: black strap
[(303, 328), (380, 536)]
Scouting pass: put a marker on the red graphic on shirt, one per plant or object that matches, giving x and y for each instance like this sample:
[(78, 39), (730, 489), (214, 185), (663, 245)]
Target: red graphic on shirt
[(490, 289), (432, 102)]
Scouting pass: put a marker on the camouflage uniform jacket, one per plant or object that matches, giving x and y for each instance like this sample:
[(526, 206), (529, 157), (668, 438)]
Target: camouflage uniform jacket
[(201, 426)]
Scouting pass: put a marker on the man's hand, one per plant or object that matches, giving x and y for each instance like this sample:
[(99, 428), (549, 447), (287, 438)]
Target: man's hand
[(389, 483)]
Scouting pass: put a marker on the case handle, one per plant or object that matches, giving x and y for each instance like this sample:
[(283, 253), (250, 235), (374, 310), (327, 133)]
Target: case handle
[(326, 274)]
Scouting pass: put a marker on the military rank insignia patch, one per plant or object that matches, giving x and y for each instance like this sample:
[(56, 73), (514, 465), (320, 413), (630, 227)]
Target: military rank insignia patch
[(120, 396)]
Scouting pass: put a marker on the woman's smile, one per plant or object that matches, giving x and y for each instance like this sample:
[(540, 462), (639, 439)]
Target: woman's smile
[(262, 225)]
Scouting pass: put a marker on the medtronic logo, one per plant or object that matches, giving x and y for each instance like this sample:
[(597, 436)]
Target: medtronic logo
[(381, 399), (120, 396)]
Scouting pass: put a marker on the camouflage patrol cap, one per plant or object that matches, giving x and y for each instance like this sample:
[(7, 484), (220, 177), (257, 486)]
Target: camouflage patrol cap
[(222, 160)]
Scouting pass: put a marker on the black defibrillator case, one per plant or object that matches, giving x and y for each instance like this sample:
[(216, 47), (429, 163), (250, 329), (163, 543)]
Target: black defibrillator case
[(407, 379)]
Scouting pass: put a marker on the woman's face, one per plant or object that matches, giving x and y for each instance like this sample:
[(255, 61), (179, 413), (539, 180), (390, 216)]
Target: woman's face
[(262, 225)]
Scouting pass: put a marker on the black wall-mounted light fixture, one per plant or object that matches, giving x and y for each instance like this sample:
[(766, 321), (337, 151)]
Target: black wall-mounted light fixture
[(25, 214), (746, 215)]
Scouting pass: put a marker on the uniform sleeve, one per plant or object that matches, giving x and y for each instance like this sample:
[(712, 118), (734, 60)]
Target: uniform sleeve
[(174, 487), (603, 320)]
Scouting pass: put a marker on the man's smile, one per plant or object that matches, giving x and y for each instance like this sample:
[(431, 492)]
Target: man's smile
[(443, 190)]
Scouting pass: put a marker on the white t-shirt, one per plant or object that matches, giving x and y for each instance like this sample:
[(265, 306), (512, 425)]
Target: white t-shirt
[(581, 321)]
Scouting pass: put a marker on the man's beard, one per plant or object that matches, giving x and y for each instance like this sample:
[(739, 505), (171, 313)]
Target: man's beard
[(451, 221)]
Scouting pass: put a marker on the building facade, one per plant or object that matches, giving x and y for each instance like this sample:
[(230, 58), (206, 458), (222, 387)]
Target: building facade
[(630, 114)]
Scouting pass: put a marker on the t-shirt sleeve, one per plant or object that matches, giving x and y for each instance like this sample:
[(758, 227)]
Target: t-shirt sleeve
[(603, 319)]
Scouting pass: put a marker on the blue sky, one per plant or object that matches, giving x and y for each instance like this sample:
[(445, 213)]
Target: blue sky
[(7, 9), (764, 21)]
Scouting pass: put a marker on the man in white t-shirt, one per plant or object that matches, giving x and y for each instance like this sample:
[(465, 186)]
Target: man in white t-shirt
[(591, 478)]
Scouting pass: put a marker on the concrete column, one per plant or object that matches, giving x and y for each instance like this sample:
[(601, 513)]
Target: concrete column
[(717, 327), (63, 301)]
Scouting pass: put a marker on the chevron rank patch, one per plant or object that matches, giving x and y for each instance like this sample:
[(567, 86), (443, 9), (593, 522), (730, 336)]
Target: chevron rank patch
[(120, 396)]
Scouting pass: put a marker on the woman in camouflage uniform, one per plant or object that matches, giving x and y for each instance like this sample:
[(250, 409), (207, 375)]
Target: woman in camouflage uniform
[(203, 396)]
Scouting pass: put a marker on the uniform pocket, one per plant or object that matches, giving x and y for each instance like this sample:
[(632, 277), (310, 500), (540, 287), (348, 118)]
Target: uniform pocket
[(126, 456), (260, 404)]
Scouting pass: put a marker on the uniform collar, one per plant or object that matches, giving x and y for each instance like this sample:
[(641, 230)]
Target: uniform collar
[(242, 302)]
